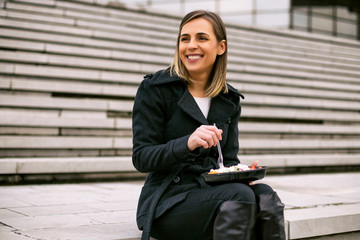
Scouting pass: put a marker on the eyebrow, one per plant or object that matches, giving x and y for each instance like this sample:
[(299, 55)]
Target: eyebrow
[(199, 33)]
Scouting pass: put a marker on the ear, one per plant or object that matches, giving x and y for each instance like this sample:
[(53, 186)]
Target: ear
[(222, 47)]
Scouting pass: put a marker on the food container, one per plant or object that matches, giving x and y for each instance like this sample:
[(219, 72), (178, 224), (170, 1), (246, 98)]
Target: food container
[(238, 176)]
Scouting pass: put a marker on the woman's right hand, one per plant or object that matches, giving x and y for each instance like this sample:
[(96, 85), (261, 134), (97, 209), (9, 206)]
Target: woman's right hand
[(205, 136)]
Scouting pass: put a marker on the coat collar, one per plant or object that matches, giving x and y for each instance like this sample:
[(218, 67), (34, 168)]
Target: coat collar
[(164, 77), (221, 109)]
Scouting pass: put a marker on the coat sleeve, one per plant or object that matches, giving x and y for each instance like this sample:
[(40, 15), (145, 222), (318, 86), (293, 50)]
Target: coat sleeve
[(150, 152)]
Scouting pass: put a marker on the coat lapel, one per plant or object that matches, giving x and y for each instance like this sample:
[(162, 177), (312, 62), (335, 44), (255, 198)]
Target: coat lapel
[(189, 106), (221, 109)]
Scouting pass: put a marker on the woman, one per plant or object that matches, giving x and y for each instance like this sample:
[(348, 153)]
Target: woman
[(174, 140)]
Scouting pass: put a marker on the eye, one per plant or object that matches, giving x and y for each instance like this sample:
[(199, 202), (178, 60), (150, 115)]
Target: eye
[(203, 38), (184, 39)]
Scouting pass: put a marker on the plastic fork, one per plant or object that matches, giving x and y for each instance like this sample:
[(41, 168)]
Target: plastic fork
[(220, 160)]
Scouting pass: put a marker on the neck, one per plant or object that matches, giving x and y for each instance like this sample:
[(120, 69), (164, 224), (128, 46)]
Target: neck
[(201, 78), (197, 89), (198, 86)]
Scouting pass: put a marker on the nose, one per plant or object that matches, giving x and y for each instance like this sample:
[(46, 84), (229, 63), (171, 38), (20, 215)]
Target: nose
[(192, 44)]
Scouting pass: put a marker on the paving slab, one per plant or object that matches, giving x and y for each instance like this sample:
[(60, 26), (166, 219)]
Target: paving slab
[(51, 210), (123, 231), (7, 233), (326, 220), (317, 205), (313, 190)]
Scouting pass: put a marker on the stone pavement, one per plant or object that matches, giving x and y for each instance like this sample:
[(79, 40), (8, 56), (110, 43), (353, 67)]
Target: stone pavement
[(316, 205)]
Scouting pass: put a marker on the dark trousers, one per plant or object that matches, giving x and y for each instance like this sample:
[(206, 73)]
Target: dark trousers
[(193, 219)]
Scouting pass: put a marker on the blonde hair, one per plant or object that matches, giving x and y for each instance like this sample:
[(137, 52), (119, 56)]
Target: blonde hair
[(218, 75)]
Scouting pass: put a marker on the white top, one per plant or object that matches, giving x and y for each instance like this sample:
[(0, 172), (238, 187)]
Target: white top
[(204, 104)]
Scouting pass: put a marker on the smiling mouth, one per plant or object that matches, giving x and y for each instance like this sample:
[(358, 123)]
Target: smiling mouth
[(194, 57)]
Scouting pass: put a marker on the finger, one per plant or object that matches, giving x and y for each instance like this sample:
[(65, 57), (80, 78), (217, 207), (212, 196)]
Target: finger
[(205, 136), (209, 137), (196, 141), (255, 163), (218, 132), (215, 137), (203, 143)]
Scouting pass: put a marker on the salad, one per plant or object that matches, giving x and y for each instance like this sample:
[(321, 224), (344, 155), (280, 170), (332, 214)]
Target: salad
[(236, 168)]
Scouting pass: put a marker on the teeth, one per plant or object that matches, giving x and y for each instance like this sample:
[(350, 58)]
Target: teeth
[(194, 57)]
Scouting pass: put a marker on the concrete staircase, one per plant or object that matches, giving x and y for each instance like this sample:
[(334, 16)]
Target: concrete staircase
[(69, 71)]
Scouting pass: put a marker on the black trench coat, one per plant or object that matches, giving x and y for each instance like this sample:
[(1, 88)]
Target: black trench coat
[(164, 116)]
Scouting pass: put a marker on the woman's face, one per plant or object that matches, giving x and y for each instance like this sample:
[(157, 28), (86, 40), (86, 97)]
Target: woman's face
[(198, 47)]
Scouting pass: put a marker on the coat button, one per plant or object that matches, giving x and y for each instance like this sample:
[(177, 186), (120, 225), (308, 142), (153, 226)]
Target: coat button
[(229, 120), (177, 179)]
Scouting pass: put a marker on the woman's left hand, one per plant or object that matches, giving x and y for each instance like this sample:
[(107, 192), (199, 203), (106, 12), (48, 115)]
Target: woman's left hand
[(254, 164)]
